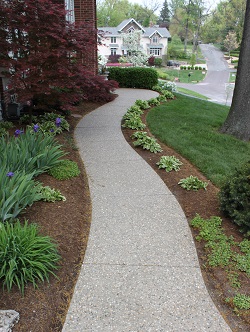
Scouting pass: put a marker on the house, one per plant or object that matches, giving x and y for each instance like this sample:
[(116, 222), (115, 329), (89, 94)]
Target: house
[(154, 40)]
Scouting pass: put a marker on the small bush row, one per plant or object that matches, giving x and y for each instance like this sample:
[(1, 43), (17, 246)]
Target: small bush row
[(192, 68)]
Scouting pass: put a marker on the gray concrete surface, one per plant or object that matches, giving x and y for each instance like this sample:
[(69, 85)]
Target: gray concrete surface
[(215, 85), (140, 272)]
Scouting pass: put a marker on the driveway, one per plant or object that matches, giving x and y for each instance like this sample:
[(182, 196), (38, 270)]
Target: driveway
[(214, 86)]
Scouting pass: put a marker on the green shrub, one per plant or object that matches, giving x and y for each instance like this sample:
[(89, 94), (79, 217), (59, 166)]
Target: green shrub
[(65, 170), (161, 98), (157, 88), (6, 125), (235, 197), (134, 77), (18, 191), (158, 62), (25, 256), (168, 95), (132, 112)]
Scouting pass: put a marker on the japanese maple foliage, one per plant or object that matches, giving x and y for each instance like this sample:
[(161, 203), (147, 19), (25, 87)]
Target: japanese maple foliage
[(42, 53)]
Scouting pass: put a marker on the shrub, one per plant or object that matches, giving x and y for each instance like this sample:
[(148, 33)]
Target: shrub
[(168, 95), (158, 62), (114, 58), (161, 98), (235, 197), (25, 256), (133, 111), (65, 170), (134, 77), (18, 191), (151, 61), (157, 88), (153, 102)]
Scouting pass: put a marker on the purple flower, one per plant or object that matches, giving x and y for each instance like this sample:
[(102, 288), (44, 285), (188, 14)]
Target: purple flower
[(18, 132), (58, 122), (10, 174), (52, 130), (35, 128)]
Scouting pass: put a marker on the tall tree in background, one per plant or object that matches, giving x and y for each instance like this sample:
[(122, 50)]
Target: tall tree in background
[(42, 53), (164, 17), (238, 120)]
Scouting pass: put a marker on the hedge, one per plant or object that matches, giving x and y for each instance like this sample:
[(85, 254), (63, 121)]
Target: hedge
[(136, 77)]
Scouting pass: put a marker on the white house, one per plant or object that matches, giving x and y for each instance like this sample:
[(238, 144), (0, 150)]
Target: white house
[(154, 40)]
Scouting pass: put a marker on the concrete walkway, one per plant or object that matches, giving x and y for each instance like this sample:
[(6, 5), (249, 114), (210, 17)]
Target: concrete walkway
[(140, 272)]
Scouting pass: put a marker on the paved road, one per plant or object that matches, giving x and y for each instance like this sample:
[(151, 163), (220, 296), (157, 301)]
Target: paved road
[(214, 85)]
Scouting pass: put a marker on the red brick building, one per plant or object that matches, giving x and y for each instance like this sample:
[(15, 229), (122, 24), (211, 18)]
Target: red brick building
[(85, 11)]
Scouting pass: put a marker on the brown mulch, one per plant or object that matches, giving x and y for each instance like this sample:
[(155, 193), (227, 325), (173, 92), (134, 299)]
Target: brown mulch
[(44, 309)]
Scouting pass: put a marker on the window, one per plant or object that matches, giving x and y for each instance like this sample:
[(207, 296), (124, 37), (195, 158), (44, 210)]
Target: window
[(113, 40), (70, 15), (113, 51), (155, 51), (155, 39)]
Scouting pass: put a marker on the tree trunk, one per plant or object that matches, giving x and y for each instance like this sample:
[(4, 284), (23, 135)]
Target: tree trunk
[(238, 120)]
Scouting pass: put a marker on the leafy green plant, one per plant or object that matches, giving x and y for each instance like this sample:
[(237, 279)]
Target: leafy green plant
[(32, 152), (157, 88), (6, 125), (240, 301), (50, 194), (168, 94), (143, 104), (235, 197), (161, 98), (169, 163), (133, 111), (134, 122), (192, 183), (18, 190), (146, 142), (25, 256), (153, 102), (65, 170)]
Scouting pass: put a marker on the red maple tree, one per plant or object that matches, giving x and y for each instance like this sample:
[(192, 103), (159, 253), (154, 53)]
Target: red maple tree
[(43, 54)]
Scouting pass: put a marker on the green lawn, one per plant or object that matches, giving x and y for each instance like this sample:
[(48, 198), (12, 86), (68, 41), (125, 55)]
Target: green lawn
[(191, 127), (191, 93), (182, 75)]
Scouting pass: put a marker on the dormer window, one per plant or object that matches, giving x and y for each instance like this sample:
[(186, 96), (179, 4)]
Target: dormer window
[(155, 39)]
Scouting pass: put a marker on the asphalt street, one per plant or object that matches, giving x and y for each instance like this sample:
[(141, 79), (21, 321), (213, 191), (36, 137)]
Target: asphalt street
[(215, 85)]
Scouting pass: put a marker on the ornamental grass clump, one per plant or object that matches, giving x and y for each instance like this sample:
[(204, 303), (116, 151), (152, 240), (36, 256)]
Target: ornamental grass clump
[(65, 170), (18, 190), (25, 256), (33, 152)]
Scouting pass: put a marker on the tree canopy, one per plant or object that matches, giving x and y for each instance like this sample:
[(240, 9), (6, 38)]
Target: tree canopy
[(42, 53)]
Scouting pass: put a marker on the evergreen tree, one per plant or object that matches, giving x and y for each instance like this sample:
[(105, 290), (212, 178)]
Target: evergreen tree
[(164, 14)]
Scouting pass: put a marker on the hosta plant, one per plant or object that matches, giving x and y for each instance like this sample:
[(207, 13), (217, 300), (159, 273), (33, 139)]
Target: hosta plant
[(65, 170), (134, 122), (48, 122), (168, 94), (50, 194), (146, 142), (192, 183), (161, 98), (25, 256), (169, 163), (143, 104), (134, 111), (153, 102)]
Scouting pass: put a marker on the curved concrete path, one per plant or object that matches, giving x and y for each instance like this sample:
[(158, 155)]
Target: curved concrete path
[(140, 272)]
